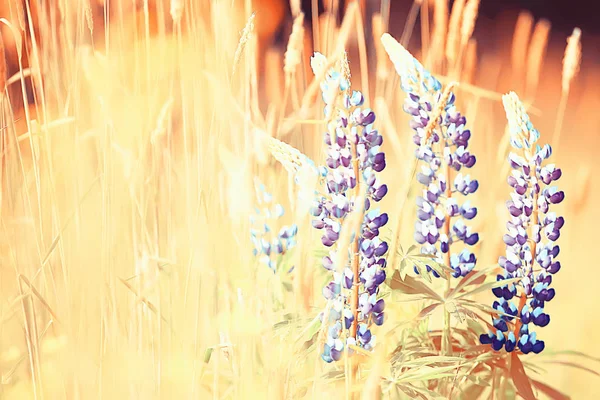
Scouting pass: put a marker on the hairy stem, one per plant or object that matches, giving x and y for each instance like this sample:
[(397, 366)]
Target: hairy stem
[(534, 222), (446, 334), (355, 261)]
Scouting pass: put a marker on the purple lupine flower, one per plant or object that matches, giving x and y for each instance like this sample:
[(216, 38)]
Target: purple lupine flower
[(532, 231), (268, 246), (443, 150), (351, 140)]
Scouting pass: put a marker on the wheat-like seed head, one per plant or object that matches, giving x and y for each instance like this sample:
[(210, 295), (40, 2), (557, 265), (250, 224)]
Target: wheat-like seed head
[(246, 34), (347, 27), (572, 59), (161, 122), (521, 40), (292, 159), (295, 7), (440, 29), (89, 17), (345, 68), (468, 22), (176, 10), (468, 73), (537, 52), (452, 42), (327, 30), (439, 109), (382, 60), (295, 45), (2, 67)]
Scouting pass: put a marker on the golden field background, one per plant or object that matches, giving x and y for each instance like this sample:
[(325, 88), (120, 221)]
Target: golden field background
[(127, 185)]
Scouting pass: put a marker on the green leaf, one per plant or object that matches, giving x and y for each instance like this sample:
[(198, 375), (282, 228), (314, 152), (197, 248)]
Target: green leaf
[(474, 278), (475, 326), (575, 365), (428, 394), (473, 391), (287, 286), (520, 379), (549, 391), (427, 373), (485, 287), (572, 353), (309, 332), (207, 354), (412, 286), (432, 361), (427, 310)]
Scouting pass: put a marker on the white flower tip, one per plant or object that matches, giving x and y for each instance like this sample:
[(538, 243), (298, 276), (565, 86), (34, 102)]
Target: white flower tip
[(317, 62), (400, 57)]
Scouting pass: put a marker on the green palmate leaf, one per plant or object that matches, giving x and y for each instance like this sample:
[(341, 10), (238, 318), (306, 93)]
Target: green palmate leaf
[(475, 327), (321, 252), (422, 269), (484, 287), (208, 354), (474, 278), (288, 286), (408, 391), (461, 313), (482, 307), (412, 286), (473, 391), (428, 394), (413, 248), (428, 310), (478, 380), (535, 368), (549, 391), (413, 258), (333, 376), (427, 373), (433, 361), (309, 331), (520, 379)]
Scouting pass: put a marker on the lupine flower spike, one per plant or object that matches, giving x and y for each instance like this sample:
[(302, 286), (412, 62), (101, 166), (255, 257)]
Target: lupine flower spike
[(442, 141), (354, 159), (532, 231), (268, 246)]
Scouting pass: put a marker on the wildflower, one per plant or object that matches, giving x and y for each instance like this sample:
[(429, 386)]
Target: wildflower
[(354, 159), (532, 231), (269, 247), (442, 141)]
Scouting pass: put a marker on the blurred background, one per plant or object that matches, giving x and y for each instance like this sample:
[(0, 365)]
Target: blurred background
[(130, 141)]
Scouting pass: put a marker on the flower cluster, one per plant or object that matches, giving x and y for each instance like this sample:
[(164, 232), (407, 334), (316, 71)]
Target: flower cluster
[(532, 231), (270, 247), (442, 141), (354, 158)]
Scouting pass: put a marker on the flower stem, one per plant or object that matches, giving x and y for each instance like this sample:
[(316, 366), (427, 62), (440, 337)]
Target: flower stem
[(534, 222), (355, 260), (446, 334)]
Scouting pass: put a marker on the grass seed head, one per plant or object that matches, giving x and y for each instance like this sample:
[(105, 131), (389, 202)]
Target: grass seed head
[(572, 59), (295, 45)]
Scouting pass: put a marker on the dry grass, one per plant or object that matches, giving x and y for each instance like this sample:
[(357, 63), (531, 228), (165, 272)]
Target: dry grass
[(126, 268)]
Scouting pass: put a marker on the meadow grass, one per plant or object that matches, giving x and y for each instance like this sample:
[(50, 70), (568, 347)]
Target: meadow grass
[(128, 172)]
